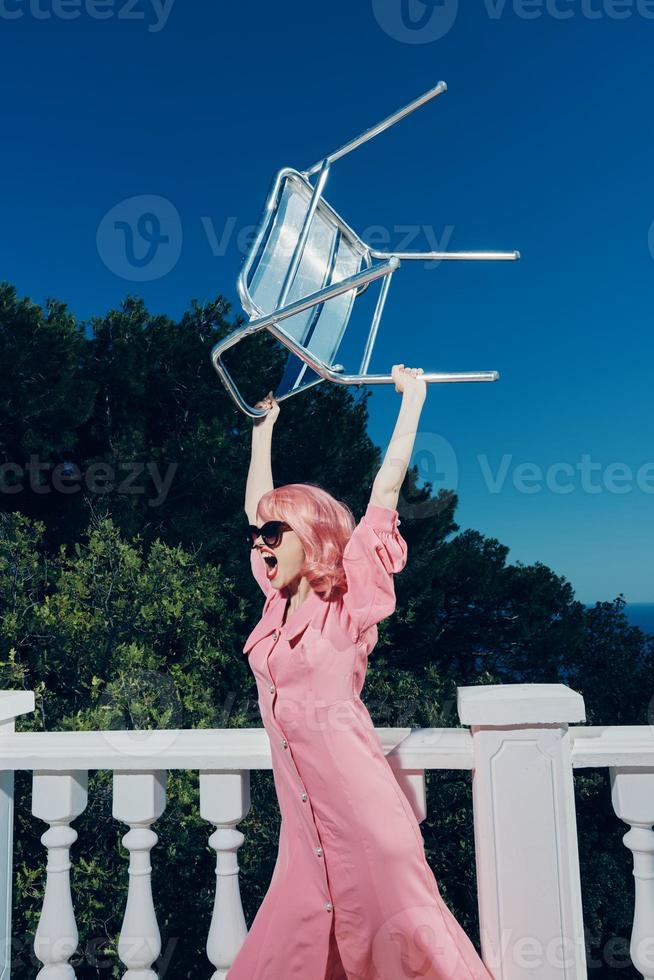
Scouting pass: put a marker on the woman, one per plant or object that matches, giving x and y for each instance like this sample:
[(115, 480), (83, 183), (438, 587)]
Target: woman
[(351, 896)]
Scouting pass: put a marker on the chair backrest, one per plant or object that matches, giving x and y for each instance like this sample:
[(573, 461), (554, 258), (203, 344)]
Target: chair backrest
[(332, 252)]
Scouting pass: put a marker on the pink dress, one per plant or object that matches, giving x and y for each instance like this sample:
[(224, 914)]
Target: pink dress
[(352, 896)]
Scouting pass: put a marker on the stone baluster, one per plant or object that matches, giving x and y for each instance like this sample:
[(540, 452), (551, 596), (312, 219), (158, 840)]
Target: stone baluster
[(528, 880), (12, 704), (224, 802), (139, 798), (57, 798), (632, 795)]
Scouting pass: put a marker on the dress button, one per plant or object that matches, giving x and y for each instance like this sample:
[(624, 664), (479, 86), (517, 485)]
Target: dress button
[(319, 851), (304, 797), (276, 635), (328, 906), (272, 688), (284, 743)]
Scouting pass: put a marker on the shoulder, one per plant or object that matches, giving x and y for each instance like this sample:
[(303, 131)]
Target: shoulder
[(339, 621)]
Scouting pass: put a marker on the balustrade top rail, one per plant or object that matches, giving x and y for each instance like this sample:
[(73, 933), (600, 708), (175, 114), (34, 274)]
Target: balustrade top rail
[(236, 749), (521, 741)]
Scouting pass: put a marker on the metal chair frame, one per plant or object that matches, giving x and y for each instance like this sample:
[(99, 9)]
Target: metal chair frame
[(376, 265)]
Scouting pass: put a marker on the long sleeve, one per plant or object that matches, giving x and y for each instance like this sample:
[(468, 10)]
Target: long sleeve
[(375, 552)]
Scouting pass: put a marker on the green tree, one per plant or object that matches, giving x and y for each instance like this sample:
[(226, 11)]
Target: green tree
[(123, 613)]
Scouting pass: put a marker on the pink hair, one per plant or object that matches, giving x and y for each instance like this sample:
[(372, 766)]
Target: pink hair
[(324, 526)]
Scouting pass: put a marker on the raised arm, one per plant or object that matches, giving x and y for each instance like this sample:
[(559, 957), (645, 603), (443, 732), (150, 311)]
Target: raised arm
[(260, 479), (387, 484)]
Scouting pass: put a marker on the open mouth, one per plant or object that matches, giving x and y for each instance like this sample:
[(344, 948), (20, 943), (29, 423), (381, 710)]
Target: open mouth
[(271, 565)]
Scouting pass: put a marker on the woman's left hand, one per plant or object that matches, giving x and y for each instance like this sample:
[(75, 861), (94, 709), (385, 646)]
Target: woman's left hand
[(408, 380)]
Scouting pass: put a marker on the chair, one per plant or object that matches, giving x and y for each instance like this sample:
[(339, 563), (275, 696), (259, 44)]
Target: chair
[(304, 271)]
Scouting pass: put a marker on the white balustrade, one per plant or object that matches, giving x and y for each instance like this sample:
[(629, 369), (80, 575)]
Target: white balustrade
[(139, 798), (528, 881), (520, 749), (632, 794), (224, 802), (12, 704), (57, 798)]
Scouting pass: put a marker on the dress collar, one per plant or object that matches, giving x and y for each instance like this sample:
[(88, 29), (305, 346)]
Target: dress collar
[(300, 617), (296, 621)]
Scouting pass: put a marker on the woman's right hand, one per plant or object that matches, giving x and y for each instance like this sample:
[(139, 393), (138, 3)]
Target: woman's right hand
[(271, 403)]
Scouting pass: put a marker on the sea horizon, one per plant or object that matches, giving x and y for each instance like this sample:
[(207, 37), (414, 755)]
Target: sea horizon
[(638, 614)]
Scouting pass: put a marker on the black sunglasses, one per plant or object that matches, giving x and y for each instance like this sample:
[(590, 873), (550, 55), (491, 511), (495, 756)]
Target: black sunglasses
[(271, 533)]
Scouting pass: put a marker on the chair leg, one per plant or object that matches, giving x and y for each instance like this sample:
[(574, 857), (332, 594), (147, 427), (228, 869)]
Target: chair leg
[(374, 326)]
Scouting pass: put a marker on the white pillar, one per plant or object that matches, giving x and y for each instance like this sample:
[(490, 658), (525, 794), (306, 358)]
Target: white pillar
[(224, 802), (12, 704), (58, 797), (530, 910), (632, 794), (139, 798)]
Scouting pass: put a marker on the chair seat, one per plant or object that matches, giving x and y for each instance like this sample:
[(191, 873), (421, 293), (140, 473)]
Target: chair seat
[(304, 271), (331, 254)]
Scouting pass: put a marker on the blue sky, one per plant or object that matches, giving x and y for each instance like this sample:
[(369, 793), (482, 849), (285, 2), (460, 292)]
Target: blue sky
[(543, 143)]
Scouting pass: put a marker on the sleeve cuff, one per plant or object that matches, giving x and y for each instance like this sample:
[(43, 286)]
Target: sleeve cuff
[(382, 518)]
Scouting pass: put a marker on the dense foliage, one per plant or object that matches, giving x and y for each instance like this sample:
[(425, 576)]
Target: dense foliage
[(126, 595)]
